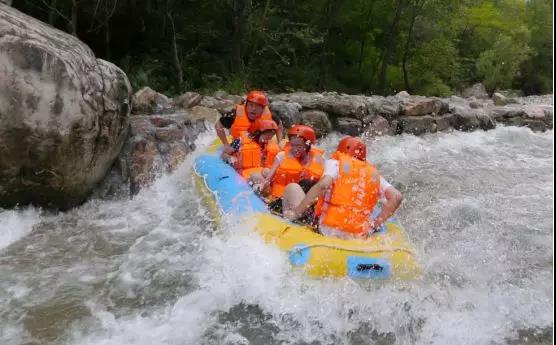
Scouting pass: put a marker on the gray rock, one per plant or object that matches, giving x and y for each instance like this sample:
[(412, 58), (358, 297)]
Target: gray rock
[(485, 121), (220, 94), (307, 100), (417, 125), (501, 114), (445, 122), (475, 105), (534, 112), (465, 119), (353, 106), (148, 101), (222, 105), (349, 126), (535, 125), (387, 107), (157, 144), (499, 99), (379, 126), (403, 94), (201, 113), (64, 114), (417, 106), (318, 120), (338, 105), (477, 90), (456, 99), (187, 100), (287, 112)]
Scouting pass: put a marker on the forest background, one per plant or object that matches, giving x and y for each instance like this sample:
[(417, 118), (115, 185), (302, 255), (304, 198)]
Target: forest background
[(427, 47)]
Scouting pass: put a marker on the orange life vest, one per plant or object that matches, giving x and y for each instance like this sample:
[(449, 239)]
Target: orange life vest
[(252, 158), (292, 171), (241, 121), (352, 198)]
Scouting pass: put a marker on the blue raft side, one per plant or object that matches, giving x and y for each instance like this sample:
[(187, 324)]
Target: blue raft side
[(233, 194)]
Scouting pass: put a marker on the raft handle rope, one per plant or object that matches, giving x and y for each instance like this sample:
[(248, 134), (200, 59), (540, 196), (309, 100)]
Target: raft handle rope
[(331, 246), (337, 247)]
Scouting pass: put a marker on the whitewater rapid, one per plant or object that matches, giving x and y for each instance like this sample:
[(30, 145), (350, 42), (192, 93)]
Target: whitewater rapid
[(154, 269)]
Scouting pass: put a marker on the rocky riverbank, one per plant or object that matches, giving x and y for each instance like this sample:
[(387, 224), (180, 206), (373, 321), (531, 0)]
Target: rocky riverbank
[(146, 154), (361, 115)]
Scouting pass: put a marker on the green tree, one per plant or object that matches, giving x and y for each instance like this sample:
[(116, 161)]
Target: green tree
[(500, 64)]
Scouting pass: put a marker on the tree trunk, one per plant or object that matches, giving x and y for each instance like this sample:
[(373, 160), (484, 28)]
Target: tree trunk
[(107, 51), (363, 36), (74, 18), (177, 63), (387, 52), (330, 12), (418, 6), (237, 35), (256, 39), (52, 13)]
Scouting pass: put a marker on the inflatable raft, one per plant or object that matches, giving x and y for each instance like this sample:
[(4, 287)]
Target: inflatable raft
[(387, 254)]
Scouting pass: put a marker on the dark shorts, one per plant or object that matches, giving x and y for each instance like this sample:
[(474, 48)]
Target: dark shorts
[(308, 218)]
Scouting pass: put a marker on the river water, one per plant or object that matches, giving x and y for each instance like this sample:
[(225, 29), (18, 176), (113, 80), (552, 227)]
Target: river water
[(155, 270)]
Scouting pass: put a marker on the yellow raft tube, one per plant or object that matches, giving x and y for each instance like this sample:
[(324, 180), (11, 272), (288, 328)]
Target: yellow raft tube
[(386, 254)]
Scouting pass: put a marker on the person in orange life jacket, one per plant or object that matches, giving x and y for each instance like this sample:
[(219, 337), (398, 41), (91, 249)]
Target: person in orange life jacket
[(254, 149), (295, 169), (241, 118), (347, 194)]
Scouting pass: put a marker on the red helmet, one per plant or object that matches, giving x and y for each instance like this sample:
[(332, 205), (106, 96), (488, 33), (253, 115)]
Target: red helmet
[(354, 147), (304, 132), (257, 97), (262, 125)]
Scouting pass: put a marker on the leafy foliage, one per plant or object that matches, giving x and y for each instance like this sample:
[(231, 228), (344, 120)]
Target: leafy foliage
[(433, 47)]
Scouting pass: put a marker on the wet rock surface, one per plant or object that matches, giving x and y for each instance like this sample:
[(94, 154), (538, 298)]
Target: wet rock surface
[(157, 144), (64, 114)]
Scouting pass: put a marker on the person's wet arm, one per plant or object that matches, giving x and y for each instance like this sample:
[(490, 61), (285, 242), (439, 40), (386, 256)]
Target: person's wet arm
[(221, 132), (394, 199)]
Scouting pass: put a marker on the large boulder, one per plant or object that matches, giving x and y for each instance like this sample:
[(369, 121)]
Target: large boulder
[(187, 100), (199, 112), (222, 105), (417, 125), (307, 100), (379, 126), (287, 112), (500, 99), (342, 105), (424, 106), (388, 107), (468, 119), (64, 114), (477, 90), (349, 126), (157, 144), (318, 120), (148, 101)]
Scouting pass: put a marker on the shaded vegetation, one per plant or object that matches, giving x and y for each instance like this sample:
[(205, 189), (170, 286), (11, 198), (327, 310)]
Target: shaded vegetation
[(430, 47)]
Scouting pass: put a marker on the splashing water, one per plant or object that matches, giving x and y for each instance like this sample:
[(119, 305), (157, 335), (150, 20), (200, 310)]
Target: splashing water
[(156, 270)]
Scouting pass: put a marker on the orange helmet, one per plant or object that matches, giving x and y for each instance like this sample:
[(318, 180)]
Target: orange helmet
[(257, 97), (354, 147), (304, 132), (262, 125)]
